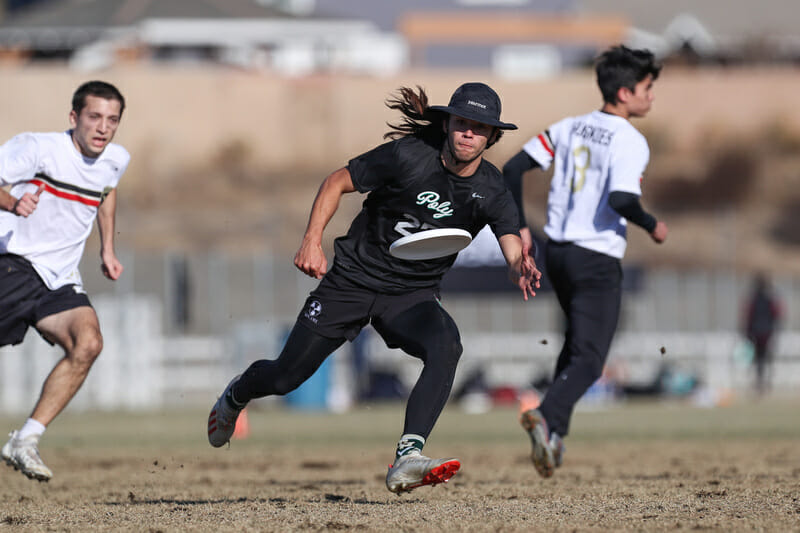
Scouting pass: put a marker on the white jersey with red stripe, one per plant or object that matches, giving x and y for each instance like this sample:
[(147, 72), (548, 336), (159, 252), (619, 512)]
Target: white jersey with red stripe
[(52, 238), (594, 154)]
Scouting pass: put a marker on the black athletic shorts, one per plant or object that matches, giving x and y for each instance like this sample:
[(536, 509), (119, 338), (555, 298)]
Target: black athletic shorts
[(25, 299), (338, 308)]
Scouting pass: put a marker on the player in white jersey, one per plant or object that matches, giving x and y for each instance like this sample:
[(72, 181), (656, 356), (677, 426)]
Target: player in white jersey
[(599, 160), (59, 183)]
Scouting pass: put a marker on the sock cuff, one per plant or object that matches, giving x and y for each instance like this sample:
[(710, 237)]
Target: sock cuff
[(410, 443), (233, 402), (31, 427)]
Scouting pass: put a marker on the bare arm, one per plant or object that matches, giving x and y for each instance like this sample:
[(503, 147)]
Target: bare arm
[(106, 214), (527, 238), (310, 258), (521, 266), (20, 206), (7, 202)]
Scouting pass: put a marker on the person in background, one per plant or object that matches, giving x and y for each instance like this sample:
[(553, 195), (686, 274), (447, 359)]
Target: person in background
[(594, 193), (762, 315)]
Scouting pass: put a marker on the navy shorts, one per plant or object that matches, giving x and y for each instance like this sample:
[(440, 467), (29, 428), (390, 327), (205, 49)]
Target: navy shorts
[(338, 308), (25, 299)]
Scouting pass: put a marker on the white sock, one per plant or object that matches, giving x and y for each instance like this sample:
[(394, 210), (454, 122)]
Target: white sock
[(31, 427)]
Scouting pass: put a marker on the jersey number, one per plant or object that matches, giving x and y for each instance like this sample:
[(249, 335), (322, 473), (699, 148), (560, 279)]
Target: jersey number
[(403, 227), (582, 158)]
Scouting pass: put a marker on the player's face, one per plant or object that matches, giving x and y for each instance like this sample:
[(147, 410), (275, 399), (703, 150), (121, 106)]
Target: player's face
[(641, 99), (95, 126), (467, 139)]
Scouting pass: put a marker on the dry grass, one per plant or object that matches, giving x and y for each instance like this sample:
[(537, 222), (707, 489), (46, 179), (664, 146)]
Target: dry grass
[(643, 467)]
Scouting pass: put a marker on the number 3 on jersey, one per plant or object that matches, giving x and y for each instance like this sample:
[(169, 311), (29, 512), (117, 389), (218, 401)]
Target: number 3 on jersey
[(582, 158)]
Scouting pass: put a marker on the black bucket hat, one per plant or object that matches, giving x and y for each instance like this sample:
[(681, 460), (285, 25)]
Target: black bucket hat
[(478, 102)]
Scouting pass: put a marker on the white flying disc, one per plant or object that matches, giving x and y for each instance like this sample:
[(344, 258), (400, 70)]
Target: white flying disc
[(430, 244)]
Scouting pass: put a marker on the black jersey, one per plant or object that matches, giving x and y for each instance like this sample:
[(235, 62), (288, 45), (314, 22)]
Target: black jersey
[(410, 190)]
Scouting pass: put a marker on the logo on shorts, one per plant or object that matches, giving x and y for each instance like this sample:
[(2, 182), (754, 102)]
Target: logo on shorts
[(313, 311), (78, 289)]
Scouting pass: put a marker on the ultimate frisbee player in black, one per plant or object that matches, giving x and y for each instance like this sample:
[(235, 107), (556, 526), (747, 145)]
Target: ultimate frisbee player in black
[(432, 175)]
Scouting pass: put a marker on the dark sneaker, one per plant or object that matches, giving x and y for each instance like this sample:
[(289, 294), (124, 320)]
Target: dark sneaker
[(222, 419)]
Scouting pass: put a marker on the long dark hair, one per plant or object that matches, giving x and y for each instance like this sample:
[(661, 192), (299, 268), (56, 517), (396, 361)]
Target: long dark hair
[(418, 120)]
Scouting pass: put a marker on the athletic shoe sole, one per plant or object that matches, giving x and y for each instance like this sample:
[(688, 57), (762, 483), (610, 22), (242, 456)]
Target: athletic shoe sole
[(9, 459), (27, 473), (541, 455)]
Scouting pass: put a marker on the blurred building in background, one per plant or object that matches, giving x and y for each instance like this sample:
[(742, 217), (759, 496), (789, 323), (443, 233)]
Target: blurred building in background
[(282, 35), (512, 38)]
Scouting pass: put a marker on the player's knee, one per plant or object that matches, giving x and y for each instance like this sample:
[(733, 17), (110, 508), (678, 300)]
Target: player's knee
[(87, 347), (595, 367), (591, 358), (456, 349), (445, 345), (445, 352)]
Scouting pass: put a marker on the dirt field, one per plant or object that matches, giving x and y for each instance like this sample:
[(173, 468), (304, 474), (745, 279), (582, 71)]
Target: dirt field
[(644, 467)]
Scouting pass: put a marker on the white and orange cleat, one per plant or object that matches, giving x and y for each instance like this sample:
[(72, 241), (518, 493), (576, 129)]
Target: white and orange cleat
[(415, 470)]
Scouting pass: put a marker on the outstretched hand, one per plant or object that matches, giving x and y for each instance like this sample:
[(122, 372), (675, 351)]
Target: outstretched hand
[(529, 276), (27, 203)]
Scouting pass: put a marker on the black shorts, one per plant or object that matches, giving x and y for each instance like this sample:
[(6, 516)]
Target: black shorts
[(338, 308), (25, 299)]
